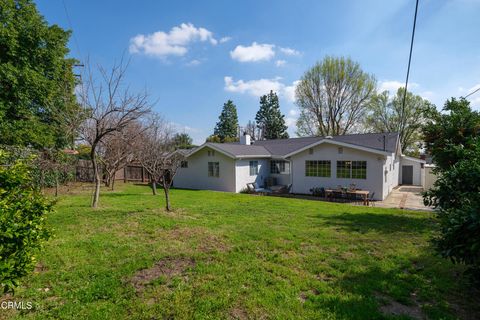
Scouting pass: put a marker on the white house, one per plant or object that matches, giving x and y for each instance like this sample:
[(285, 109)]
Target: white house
[(371, 161)]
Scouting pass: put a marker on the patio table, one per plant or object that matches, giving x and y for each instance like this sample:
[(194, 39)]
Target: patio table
[(363, 193)]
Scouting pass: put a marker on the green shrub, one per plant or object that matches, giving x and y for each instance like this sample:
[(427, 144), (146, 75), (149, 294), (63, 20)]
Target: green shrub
[(22, 220), (453, 140)]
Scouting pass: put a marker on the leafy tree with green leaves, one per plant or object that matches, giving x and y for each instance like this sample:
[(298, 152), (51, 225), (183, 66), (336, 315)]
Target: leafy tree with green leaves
[(22, 219), (333, 97), (387, 114), (227, 125), (37, 83), (270, 119), (183, 141), (453, 139)]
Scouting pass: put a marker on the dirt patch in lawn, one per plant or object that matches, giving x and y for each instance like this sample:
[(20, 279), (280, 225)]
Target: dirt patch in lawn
[(166, 268), (391, 307), (200, 238)]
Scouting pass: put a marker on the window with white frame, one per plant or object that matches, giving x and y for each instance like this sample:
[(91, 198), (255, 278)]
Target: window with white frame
[(317, 168), (213, 169), (278, 166), (359, 169), (352, 169), (253, 168)]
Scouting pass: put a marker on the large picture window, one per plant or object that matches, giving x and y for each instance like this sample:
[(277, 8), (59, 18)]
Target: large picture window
[(253, 168), (317, 168), (352, 169), (277, 166), (213, 169), (344, 169), (359, 169)]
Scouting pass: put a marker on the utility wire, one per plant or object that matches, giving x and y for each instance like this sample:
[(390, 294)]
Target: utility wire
[(71, 28), (409, 62), (473, 92)]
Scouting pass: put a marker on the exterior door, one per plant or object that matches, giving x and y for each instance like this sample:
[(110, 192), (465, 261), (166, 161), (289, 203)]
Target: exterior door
[(407, 174)]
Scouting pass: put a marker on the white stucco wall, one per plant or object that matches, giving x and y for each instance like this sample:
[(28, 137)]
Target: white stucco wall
[(376, 164), (242, 173), (430, 177), (391, 169), (418, 171), (196, 175)]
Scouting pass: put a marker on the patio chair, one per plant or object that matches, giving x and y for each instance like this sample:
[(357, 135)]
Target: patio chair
[(371, 199), (253, 188), (338, 195)]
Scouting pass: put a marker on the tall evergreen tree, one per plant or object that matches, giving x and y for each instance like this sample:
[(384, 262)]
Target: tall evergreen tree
[(37, 104), (269, 118), (227, 125)]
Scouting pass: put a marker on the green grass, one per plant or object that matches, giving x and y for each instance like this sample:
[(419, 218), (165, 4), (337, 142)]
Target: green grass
[(254, 257)]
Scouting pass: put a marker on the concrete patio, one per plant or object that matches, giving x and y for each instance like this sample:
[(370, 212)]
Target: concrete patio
[(404, 197)]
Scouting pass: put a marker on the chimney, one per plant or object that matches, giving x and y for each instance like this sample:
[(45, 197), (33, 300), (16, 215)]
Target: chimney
[(245, 139)]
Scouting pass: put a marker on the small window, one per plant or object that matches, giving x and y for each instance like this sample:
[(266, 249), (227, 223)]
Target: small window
[(211, 153), (340, 150), (253, 168), (277, 166), (310, 151), (317, 168), (184, 164), (213, 169)]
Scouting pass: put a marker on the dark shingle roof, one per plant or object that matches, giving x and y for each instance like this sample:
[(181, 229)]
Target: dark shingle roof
[(237, 149), (282, 147)]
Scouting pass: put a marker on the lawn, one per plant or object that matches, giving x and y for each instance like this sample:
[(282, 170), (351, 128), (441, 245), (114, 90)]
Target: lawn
[(221, 255)]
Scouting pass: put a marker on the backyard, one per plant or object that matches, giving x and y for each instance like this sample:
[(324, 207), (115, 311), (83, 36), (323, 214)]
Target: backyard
[(222, 255)]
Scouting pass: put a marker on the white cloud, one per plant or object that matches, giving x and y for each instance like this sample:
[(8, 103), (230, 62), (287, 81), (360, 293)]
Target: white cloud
[(175, 42), (253, 87), (475, 103), (193, 63), (260, 87), (255, 52), (289, 91), (280, 63), (393, 86), (290, 51), (225, 39)]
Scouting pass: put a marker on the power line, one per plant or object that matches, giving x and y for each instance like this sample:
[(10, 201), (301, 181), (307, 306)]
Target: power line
[(71, 28), (473, 92), (409, 60)]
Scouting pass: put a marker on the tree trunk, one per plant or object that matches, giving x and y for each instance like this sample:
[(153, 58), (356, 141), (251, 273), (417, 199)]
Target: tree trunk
[(56, 183), (96, 177), (166, 190), (112, 183), (154, 187)]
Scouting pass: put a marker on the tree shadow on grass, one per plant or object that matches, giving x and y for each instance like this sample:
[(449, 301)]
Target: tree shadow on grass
[(422, 287), (382, 223)]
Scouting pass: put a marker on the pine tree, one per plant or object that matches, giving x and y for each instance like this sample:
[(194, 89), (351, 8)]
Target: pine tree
[(227, 126), (269, 119)]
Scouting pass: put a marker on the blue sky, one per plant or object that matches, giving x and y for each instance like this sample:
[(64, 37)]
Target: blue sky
[(194, 55)]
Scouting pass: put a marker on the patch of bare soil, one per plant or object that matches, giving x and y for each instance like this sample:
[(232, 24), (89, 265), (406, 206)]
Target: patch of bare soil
[(305, 294), (394, 308), (238, 313), (205, 241), (167, 267), (40, 268)]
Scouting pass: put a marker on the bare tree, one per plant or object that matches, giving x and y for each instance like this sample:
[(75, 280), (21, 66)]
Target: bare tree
[(118, 150), (157, 155), (252, 130), (388, 115), (110, 107), (333, 97)]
